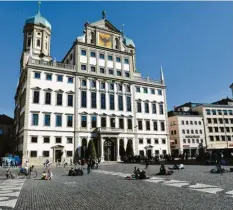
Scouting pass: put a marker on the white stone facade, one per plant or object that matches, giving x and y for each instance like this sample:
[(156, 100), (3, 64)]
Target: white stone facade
[(93, 94), (186, 133)]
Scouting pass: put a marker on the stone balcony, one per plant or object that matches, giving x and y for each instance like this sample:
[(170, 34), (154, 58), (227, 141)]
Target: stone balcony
[(51, 64)]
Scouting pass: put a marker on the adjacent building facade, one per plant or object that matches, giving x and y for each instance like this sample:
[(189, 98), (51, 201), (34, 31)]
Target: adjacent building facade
[(186, 130), (95, 93)]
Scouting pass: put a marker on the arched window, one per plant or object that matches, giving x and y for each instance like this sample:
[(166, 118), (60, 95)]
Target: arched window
[(117, 43), (38, 43), (92, 37)]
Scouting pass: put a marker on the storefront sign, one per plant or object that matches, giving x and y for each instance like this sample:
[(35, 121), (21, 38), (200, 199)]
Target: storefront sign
[(186, 146), (192, 136)]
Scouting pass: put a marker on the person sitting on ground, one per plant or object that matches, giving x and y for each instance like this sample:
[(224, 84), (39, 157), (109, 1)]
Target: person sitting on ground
[(162, 169), (44, 176), (49, 175)]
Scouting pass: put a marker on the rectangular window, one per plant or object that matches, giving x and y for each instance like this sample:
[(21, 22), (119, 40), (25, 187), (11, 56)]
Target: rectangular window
[(120, 87), (110, 71), (47, 119), (129, 122), (147, 125), (92, 68), (36, 97), (119, 73), (126, 61), (156, 141), (69, 121), (145, 90), (112, 122), (155, 124), (69, 140), (84, 99), (35, 119), (148, 141), (84, 121), (225, 112), (93, 121), (103, 101), (110, 58), (111, 86), (182, 122), (159, 92), (59, 78), (58, 120), (58, 140), (101, 56), (128, 90), (93, 54), (120, 102), (112, 102), (102, 71), (102, 85), (83, 52), (46, 140), (161, 109), (45, 153), (93, 100), (69, 153), (183, 131), (118, 60), (93, 84), (139, 125), (140, 141), (37, 75), (48, 77), (70, 80), (230, 112), (163, 141), (121, 123), (208, 111), (33, 153), (34, 139), (162, 126), (138, 90), (128, 101), (83, 67), (103, 122), (154, 108), (59, 99), (47, 98), (147, 108), (152, 91), (126, 74), (139, 107), (70, 100)]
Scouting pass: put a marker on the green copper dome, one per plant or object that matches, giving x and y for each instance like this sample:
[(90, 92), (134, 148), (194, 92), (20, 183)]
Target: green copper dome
[(128, 42), (38, 20)]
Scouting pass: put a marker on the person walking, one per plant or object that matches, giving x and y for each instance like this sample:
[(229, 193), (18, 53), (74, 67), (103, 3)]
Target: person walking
[(147, 163), (88, 167)]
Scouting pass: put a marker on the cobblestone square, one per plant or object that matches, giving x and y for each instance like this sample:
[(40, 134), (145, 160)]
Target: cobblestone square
[(106, 188)]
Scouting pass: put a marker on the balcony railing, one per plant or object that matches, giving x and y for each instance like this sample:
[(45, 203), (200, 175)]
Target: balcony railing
[(110, 130), (148, 80), (52, 64)]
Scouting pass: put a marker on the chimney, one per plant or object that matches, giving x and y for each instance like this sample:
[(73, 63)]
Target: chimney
[(231, 86)]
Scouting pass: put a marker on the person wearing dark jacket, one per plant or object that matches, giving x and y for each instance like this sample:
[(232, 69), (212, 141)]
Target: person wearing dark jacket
[(88, 167)]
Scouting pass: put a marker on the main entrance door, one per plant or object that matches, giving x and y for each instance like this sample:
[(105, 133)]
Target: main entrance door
[(58, 154), (109, 152)]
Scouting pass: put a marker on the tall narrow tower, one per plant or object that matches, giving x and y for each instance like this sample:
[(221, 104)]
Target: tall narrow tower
[(37, 32)]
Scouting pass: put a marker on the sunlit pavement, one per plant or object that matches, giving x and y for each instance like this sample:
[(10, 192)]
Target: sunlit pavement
[(106, 188)]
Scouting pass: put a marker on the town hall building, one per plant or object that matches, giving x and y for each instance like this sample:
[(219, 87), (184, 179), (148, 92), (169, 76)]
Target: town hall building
[(95, 93)]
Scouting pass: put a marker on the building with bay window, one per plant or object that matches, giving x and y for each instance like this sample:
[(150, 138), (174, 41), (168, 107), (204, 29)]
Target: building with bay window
[(95, 93)]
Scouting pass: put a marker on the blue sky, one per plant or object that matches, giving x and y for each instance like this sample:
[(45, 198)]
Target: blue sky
[(192, 40)]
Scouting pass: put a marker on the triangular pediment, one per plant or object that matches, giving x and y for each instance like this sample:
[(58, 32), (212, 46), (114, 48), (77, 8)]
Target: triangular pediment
[(105, 24)]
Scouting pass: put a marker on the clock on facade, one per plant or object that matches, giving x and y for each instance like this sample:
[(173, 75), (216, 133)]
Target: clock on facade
[(105, 40)]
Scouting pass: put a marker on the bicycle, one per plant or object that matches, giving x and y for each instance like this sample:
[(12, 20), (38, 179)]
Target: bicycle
[(31, 173)]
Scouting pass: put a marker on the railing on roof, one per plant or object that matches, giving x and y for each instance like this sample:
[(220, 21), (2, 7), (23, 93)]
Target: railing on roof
[(141, 79), (52, 64)]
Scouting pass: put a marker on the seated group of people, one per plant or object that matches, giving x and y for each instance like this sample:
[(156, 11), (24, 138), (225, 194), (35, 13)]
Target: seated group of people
[(47, 176), (139, 173)]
